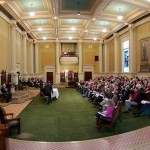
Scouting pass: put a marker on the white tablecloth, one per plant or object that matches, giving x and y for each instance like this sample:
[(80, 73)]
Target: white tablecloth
[(55, 93)]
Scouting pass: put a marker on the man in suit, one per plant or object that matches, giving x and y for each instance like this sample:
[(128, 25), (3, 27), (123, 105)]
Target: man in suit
[(48, 91), (6, 93)]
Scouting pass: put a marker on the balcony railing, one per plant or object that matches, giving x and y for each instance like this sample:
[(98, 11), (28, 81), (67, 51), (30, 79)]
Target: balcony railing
[(68, 54), (69, 60)]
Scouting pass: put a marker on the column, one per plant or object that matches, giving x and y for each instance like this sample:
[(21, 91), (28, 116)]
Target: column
[(105, 57), (80, 56), (36, 58), (31, 57), (132, 53), (80, 74), (24, 44), (13, 52), (57, 61), (0, 80), (100, 57), (13, 46), (116, 53), (57, 56)]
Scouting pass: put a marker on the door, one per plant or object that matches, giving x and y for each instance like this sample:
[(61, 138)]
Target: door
[(50, 77), (62, 77), (87, 76)]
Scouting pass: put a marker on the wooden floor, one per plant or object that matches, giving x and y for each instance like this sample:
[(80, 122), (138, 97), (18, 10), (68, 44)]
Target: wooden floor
[(135, 140)]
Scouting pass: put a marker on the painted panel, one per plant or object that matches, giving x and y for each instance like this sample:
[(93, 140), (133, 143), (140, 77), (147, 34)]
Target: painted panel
[(4, 45), (46, 55), (32, 5), (119, 8), (142, 32), (90, 50)]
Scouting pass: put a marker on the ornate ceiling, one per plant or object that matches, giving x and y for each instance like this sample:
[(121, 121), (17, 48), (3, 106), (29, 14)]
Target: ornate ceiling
[(59, 20)]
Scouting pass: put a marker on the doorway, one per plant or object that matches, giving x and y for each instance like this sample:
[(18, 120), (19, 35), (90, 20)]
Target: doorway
[(49, 77), (87, 76)]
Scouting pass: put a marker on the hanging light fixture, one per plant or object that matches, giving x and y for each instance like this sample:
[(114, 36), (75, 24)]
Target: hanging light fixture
[(119, 17), (40, 28), (104, 30), (78, 9), (31, 13), (44, 38), (73, 28)]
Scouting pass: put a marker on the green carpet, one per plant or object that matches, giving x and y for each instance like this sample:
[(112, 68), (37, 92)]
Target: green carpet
[(70, 118)]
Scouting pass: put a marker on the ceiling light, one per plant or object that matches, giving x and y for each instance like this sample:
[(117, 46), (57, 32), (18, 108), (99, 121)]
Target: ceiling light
[(73, 28), (119, 17), (40, 29), (95, 39), (86, 31), (104, 30), (31, 13), (94, 19), (70, 38), (44, 38), (1, 2), (55, 17)]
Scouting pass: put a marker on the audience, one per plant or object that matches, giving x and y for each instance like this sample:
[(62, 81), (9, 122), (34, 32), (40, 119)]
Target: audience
[(107, 90)]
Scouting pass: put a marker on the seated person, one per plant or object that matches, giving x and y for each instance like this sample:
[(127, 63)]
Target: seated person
[(133, 100), (147, 88), (108, 113), (125, 94), (6, 93), (145, 107), (109, 102)]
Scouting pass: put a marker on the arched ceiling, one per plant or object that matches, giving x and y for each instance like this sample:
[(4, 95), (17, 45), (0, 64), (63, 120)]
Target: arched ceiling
[(58, 17)]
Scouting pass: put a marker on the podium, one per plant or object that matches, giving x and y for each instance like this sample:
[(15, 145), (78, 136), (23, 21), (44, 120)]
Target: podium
[(71, 84)]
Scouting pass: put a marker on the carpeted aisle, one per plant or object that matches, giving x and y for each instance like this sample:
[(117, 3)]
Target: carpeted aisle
[(70, 118)]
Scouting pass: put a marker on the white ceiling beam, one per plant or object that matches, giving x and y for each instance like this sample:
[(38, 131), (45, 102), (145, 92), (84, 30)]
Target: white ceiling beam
[(37, 17)]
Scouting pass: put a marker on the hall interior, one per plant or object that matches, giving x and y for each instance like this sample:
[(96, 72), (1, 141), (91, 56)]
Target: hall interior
[(66, 41)]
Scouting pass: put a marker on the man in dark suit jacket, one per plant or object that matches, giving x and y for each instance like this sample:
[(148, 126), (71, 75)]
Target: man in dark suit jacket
[(48, 91), (6, 93)]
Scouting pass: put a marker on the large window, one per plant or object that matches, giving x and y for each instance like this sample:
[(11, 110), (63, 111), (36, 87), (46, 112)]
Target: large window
[(125, 58)]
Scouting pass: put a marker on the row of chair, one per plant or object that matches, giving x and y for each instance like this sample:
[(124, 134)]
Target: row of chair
[(12, 122)]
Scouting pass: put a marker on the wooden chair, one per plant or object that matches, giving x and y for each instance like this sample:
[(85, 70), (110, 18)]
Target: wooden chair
[(13, 123), (110, 123), (44, 97)]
